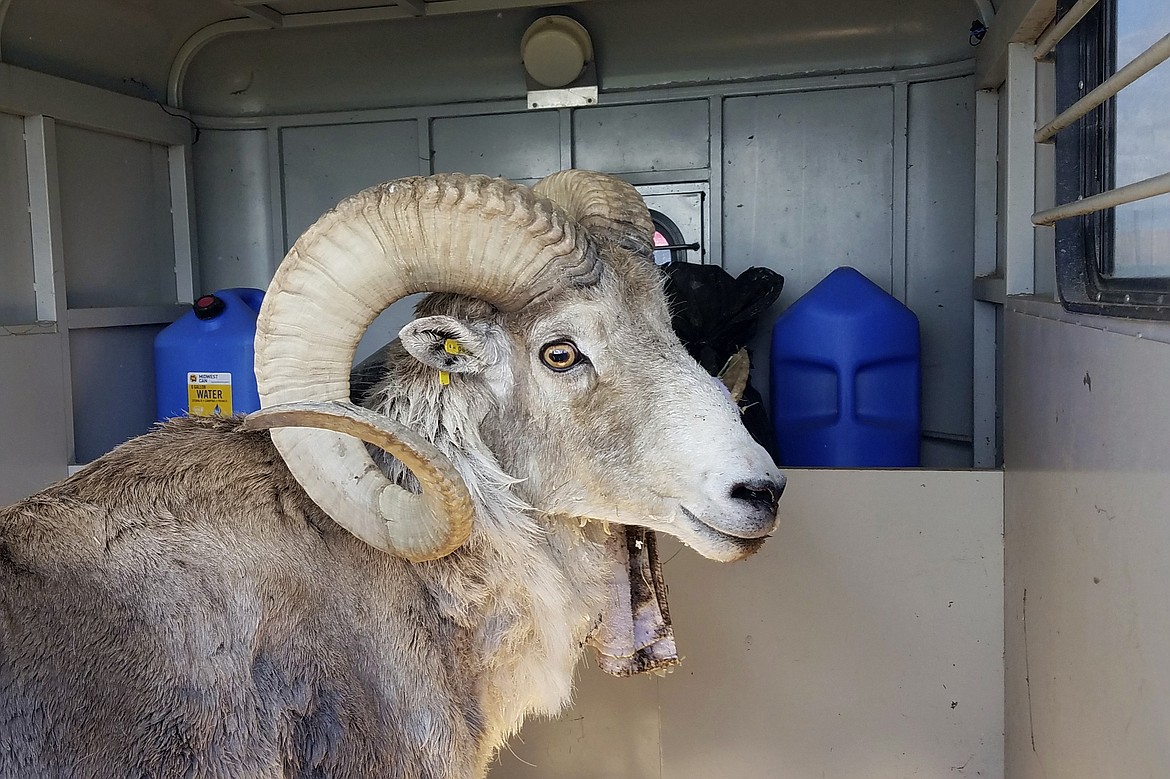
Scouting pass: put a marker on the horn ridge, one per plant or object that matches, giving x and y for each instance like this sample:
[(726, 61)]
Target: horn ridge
[(471, 235), (604, 205)]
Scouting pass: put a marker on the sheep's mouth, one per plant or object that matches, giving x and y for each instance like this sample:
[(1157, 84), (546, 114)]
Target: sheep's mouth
[(717, 544)]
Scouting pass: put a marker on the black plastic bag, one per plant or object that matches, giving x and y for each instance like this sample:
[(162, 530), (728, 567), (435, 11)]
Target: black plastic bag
[(715, 316)]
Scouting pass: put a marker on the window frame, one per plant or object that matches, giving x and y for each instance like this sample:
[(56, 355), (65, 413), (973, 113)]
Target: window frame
[(1084, 166)]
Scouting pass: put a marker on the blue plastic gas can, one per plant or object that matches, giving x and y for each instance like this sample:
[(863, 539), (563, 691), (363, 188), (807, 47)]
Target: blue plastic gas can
[(846, 367), (203, 362)]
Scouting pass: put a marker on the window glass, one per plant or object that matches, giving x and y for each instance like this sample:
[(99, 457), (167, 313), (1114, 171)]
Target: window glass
[(667, 235), (1141, 235), (661, 256), (1141, 144)]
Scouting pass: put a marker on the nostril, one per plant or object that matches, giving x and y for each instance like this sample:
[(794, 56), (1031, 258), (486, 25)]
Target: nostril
[(761, 494)]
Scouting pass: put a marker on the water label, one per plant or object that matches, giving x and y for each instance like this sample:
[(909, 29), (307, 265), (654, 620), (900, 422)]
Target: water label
[(209, 394)]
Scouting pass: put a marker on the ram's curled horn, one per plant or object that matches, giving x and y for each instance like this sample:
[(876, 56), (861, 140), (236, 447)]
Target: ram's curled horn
[(471, 235), (605, 206)]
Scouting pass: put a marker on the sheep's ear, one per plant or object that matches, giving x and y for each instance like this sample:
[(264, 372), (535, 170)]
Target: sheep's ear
[(447, 345)]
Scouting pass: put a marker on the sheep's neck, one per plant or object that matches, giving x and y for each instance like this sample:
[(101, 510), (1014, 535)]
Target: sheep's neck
[(524, 592), (524, 609)]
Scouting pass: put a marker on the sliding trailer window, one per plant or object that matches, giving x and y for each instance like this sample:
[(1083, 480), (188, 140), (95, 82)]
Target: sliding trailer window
[(1112, 136)]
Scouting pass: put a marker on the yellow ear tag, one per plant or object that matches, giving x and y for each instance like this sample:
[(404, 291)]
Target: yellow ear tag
[(450, 346)]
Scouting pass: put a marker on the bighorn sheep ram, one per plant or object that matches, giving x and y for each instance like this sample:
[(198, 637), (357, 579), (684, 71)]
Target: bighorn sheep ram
[(220, 599)]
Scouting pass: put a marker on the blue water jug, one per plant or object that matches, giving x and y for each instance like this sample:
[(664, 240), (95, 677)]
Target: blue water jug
[(203, 362), (846, 367)]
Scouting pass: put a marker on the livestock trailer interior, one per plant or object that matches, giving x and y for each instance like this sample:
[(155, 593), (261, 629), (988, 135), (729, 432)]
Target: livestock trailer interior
[(1000, 167)]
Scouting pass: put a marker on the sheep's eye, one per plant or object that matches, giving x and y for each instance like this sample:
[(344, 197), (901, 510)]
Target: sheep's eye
[(560, 355)]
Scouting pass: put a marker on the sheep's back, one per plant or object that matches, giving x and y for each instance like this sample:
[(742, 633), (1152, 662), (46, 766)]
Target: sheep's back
[(181, 608)]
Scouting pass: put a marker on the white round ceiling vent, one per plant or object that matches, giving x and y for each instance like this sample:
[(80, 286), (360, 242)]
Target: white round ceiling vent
[(555, 50)]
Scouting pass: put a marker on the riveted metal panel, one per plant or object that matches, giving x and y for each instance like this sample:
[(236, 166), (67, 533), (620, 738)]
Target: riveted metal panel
[(115, 219), (326, 163), (17, 300), (808, 184), (113, 386), (234, 205), (636, 138), (33, 424), (808, 187), (515, 146), (939, 250)]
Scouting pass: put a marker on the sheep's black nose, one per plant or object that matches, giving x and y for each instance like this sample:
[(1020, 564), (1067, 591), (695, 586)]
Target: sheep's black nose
[(763, 495)]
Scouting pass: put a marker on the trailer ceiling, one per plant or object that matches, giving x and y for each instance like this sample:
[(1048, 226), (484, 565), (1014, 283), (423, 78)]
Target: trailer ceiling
[(131, 46), (143, 47)]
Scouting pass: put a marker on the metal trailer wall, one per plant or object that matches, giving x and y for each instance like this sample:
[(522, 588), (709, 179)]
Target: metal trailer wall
[(1086, 487), (31, 380), (885, 134), (824, 137), (806, 172), (95, 255), (1087, 545), (872, 171), (864, 641)]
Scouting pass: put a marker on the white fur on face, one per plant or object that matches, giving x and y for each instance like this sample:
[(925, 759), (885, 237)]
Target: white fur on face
[(637, 433)]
